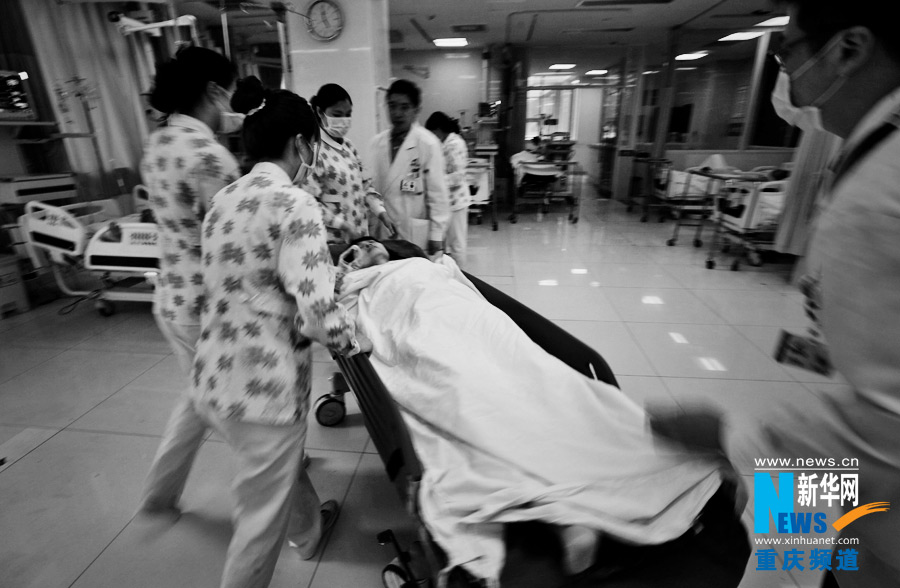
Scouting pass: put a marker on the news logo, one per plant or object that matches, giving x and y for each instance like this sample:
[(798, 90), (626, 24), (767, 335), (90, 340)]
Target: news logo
[(791, 505)]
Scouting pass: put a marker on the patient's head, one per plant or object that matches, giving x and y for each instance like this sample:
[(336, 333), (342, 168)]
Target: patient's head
[(369, 252)]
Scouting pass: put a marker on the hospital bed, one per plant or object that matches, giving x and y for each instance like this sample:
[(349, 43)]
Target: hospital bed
[(747, 215), (122, 251), (419, 565)]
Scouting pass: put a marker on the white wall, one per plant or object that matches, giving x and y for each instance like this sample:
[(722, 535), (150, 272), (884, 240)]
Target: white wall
[(455, 82)]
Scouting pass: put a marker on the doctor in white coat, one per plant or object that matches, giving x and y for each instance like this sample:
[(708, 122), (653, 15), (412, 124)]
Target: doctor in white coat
[(408, 170)]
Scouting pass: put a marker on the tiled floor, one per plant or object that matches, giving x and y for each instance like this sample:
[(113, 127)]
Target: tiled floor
[(83, 400)]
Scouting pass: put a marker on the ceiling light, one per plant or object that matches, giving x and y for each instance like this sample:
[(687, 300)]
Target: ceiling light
[(548, 283), (578, 271), (692, 56), (576, 82), (685, 68), (778, 21), (451, 42), (562, 66), (651, 72), (23, 75), (597, 72), (652, 300), (745, 36)]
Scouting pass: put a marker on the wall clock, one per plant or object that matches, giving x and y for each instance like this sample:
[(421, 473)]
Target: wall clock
[(324, 20)]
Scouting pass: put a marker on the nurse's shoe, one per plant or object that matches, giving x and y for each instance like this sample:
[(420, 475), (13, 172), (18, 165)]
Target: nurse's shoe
[(164, 512), (330, 510)]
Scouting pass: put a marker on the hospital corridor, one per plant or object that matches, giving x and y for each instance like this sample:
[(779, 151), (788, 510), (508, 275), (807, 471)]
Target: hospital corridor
[(84, 399)]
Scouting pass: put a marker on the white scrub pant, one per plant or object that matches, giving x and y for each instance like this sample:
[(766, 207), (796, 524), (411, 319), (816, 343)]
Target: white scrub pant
[(274, 498), (456, 235), (184, 432)]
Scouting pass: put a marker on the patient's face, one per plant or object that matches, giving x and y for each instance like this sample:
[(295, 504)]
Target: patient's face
[(371, 253)]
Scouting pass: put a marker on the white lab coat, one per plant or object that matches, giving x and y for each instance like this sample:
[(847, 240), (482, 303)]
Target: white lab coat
[(413, 185), (855, 251)]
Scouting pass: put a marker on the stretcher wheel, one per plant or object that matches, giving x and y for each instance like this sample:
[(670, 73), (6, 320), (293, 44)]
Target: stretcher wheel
[(573, 219), (513, 218), (644, 218), (735, 265), (495, 225), (393, 576), (710, 264), (330, 409), (698, 243), (670, 242), (105, 307)]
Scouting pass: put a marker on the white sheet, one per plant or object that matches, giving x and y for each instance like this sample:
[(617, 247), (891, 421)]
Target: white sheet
[(505, 431)]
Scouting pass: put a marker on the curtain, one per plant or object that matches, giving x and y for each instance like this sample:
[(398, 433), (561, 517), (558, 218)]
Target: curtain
[(95, 77), (801, 200)]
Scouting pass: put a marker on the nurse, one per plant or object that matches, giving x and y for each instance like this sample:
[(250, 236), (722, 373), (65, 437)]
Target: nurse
[(337, 181), (183, 167), (408, 170), (269, 293), (456, 156)]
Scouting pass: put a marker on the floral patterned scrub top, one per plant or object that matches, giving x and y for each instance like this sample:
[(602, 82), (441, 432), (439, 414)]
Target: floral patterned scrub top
[(337, 183), (183, 166), (269, 284), (456, 157)]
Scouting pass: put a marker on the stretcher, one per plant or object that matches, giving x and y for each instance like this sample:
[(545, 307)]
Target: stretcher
[(543, 182), (747, 215), (420, 564), (122, 251)]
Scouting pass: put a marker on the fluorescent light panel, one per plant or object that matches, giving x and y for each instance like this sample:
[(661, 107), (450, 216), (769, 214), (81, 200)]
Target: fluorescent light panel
[(745, 36), (597, 72), (778, 21), (451, 42), (562, 66), (691, 56)]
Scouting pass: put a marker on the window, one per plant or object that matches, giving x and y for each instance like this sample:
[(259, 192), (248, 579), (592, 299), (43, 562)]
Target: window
[(549, 111)]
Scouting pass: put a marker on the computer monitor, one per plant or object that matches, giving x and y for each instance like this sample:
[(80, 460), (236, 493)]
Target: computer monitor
[(15, 99)]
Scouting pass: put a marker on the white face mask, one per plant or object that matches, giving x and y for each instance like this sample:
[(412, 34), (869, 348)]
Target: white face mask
[(337, 126), (808, 118), (230, 122), (305, 168)]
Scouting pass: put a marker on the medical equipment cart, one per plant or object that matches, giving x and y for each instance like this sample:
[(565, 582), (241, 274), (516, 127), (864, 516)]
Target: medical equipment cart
[(480, 183)]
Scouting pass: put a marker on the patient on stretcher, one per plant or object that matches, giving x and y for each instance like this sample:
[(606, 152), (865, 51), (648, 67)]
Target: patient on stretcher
[(507, 432)]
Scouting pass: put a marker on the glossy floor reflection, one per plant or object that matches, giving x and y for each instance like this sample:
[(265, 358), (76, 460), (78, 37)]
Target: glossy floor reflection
[(83, 400)]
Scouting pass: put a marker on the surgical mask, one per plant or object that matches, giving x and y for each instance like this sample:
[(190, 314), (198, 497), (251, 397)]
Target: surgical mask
[(337, 126), (808, 118), (306, 168), (230, 122)]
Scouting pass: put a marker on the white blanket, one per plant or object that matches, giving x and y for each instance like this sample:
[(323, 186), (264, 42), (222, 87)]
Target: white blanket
[(505, 431)]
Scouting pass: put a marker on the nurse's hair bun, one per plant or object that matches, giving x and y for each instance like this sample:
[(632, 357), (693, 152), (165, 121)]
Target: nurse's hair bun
[(249, 96)]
